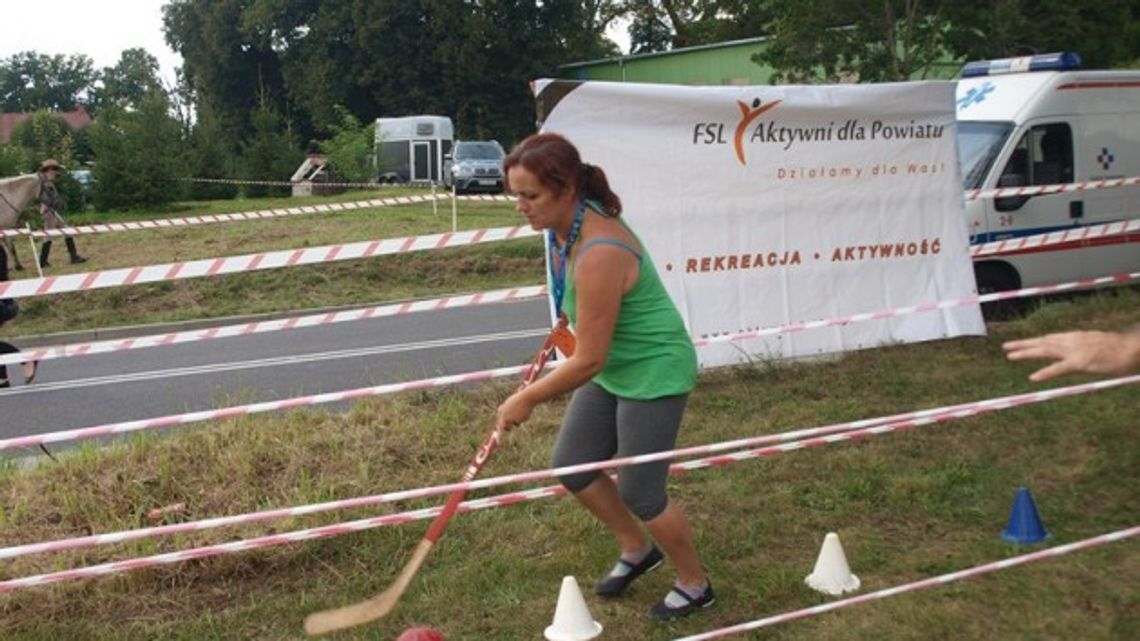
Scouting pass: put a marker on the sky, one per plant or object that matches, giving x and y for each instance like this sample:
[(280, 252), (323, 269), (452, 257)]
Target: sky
[(618, 31), (81, 27), (98, 29)]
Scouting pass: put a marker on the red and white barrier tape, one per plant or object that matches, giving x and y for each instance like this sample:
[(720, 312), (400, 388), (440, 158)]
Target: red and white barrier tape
[(970, 194), (228, 331), (405, 200), (279, 183), (261, 214), (128, 276), (102, 347), (112, 429), (914, 586), (30, 287), (185, 221), (925, 307), (232, 547), (801, 438), (83, 349), (1037, 241), (193, 417), (282, 183), (499, 198), (1046, 190), (495, 501)]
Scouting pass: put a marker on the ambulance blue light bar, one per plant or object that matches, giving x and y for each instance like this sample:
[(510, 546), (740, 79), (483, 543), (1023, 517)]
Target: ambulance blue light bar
[(1045, 62)]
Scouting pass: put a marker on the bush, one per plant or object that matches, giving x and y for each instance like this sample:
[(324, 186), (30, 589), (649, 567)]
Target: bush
[(271, 154), (208, 156), (138, 164), (350, 150), (44, 135), (13, 160)]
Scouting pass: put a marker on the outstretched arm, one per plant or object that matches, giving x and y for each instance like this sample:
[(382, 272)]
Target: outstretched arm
[(1085, 351)]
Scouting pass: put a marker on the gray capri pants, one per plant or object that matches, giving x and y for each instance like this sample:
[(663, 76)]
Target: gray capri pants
[(599, 426)]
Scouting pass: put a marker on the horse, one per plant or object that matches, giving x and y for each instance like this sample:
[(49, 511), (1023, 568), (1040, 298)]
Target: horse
[(15, 193)]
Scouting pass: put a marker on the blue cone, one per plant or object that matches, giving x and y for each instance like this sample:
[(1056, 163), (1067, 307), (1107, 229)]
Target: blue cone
[(1024, 525)]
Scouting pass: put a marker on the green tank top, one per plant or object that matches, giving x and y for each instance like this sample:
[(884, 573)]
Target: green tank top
[(651, 354)]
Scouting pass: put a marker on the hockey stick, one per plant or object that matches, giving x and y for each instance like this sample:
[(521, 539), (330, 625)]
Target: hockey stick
[(381, 604)]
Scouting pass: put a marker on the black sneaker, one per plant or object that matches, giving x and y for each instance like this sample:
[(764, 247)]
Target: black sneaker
[(75, 260), (663, 612), (614, 585)]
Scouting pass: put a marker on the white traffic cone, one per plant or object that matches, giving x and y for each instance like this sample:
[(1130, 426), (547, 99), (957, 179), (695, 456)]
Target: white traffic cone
[(831, 574), (572, 620)]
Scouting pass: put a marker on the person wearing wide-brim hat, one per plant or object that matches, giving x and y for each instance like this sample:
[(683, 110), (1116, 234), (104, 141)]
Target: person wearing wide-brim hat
[(51, 202), (50, 163)]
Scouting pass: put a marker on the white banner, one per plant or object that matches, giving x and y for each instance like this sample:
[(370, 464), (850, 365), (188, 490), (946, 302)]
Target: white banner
[(764, 206)]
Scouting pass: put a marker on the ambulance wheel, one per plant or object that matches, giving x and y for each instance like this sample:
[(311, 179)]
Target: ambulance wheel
[(999, 277)]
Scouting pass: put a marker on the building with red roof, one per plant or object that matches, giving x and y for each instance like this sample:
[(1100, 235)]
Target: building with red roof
[(77, 119)]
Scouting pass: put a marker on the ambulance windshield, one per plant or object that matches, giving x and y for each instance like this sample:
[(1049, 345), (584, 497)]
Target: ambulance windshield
[(978, 144)]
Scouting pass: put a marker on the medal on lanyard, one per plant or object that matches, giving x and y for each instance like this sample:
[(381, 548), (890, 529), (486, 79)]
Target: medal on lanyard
[(558, 279), (563, 338)]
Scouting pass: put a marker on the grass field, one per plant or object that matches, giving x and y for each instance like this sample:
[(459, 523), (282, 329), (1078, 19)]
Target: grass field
[(907, 506), (355, 282)]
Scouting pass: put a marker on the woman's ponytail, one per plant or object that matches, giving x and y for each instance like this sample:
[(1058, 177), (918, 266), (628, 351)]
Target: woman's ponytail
[(595, 186)]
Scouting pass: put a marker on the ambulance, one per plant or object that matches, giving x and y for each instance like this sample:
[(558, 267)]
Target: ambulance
[(1041, 120)]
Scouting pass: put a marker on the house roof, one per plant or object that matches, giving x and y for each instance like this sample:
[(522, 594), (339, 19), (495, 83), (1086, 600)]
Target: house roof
[(76, 119)]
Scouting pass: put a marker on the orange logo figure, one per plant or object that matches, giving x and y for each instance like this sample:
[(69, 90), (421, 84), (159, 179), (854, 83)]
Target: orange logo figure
[(748, 114)]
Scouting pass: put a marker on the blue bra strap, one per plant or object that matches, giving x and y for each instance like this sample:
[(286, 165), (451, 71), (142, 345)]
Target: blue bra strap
[(607, 241)]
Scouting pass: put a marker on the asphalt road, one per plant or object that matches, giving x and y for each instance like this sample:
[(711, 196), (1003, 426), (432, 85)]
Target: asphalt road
[(88, 391)]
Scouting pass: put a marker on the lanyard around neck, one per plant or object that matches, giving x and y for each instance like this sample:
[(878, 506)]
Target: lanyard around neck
[(558, 279)]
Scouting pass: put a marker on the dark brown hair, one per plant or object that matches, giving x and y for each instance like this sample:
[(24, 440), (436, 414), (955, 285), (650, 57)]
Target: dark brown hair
[(555, 161)]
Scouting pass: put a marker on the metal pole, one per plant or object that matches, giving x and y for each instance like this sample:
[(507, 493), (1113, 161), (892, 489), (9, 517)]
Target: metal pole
[(35, 254)]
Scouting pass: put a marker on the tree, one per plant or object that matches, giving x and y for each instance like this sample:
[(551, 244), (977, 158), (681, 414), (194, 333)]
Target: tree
[(126, 84), (138, 156), (878, 40), (209, 155), (13, 160), (315, 43), (1105, 32), (659, 25), (231, 68), (470, 60), (866, 40), (350, 150), (649, 28), (271, 153), (31, 81), (44, 135)]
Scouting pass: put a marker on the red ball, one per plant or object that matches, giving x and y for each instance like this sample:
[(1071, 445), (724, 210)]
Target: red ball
[(421, 633)]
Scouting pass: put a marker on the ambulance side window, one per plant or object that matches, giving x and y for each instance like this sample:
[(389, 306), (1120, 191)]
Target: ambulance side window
[(1051, 147), (1016, 171)]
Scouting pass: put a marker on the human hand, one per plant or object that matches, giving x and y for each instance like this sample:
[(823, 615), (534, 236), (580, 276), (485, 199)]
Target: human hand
[(516, 409), (1087, 351)]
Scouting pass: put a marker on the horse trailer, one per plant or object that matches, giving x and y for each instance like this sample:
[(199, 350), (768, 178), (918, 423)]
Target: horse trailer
[(412, 148)]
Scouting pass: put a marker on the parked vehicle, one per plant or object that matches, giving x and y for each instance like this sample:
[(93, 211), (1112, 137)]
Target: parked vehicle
[(476, 165), (1038, 121), (412, 148)]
